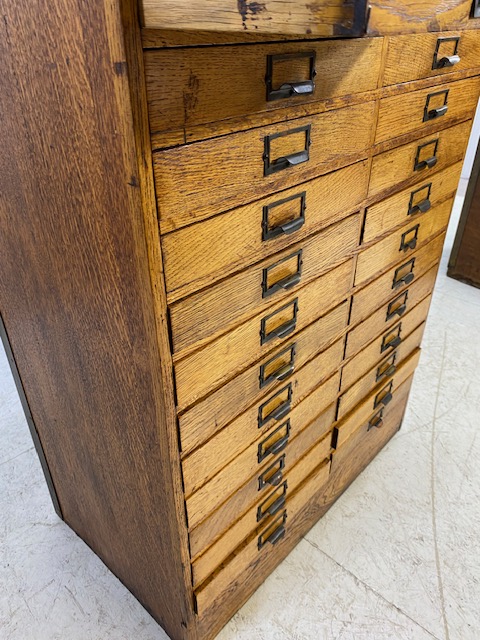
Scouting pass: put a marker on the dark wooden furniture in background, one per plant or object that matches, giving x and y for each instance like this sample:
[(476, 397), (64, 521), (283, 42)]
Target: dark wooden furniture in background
[(218, 246), (464, 263)]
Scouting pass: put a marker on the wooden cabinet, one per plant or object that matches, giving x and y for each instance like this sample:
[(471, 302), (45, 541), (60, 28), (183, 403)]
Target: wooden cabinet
[(220, 234)]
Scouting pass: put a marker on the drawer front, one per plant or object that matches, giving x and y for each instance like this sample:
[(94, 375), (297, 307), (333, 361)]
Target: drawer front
[(263, 287), (410, 204), (380, 377), (205, 531), (264, 541), (239, 82), (212, 175), (367, 440), (439, 106), (253, 520), (236, 452), (383, 345), (390, 312), (396, 280), (402, 243), (420, 159), (222, 359), (430, 55), (306, 355), (200, 254), (411, 16)]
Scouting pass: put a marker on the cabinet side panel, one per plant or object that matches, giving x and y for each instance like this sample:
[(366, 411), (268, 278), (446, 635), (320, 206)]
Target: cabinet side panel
[(76, 297)]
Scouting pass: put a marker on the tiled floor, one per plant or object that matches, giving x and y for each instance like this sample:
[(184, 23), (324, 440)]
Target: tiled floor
[(397, 557)]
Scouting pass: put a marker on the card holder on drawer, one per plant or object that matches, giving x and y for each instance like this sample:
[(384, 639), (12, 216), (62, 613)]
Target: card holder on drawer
[(402, 243), (202, 179), (412, 112), (419, 160), (430, 55)]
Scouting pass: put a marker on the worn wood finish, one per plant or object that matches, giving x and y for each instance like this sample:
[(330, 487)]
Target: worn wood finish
[(81, 295), (236, 396), (383, 345), (244, 464), (464, 263), (410, 58), (391, 213), (390, 312), (379, 378), (366, 301), (404, 114), (210, 312), (418, 232), (411, 16), (198, 255), (397, 167), (198, 180), (323, 19), (249, 494), (219, 83), (213, 365)]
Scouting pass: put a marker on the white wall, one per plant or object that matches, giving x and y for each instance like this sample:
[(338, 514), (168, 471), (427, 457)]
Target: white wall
[(472, 146)]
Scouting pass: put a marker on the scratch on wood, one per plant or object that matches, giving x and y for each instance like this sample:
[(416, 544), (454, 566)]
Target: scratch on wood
[(120, 68)]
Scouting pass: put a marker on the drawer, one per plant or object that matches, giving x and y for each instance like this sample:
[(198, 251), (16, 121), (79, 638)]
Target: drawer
[(390, 312), (252, 461), (440, 106), (419, 159), (380, 377), (262, 287), (383, 345), (396, 280), (430, 55), (203, 533), (200, 254), (198, 180), (232, 84), (411, 16), (408, 205), (264, 541), (306, 355), (366, 440), (252, 521), (228, 355), (400, 244)]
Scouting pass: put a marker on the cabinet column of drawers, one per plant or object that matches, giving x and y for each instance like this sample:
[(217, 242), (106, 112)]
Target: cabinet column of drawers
[(301, 235), (218, 254)]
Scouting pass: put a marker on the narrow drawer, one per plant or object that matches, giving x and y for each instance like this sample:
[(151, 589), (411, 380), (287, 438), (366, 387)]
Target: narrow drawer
[(232, 82), (200, 254), (402, 243), (226, 461), (440, 106), (390, 312), (253, 492), (420, 159), (265, 540), (383, 377), (411, 203), (253, 520), (411, 16), (366, 441), (396, 280), (430, 55), (383, 345), (198, 180), (262, 287), (307, 355), (228, 355)]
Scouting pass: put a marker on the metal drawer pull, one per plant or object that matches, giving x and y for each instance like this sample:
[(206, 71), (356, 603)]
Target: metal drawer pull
[(268, 233), (407, 279), (290, 89), (392, 344), (273, 475), (285, 284), (387, 373), (421, 207), (386, 399), (290, 227), (399, 311), (293, 159), (277, 505), (398, 279), (448, 61), (281, 373), (376, 422), (289, 161), (282, 331), (437, 112), (276, 535), (278, 413), (275, 479), (429, 162), (278, 446), (384, 396)]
